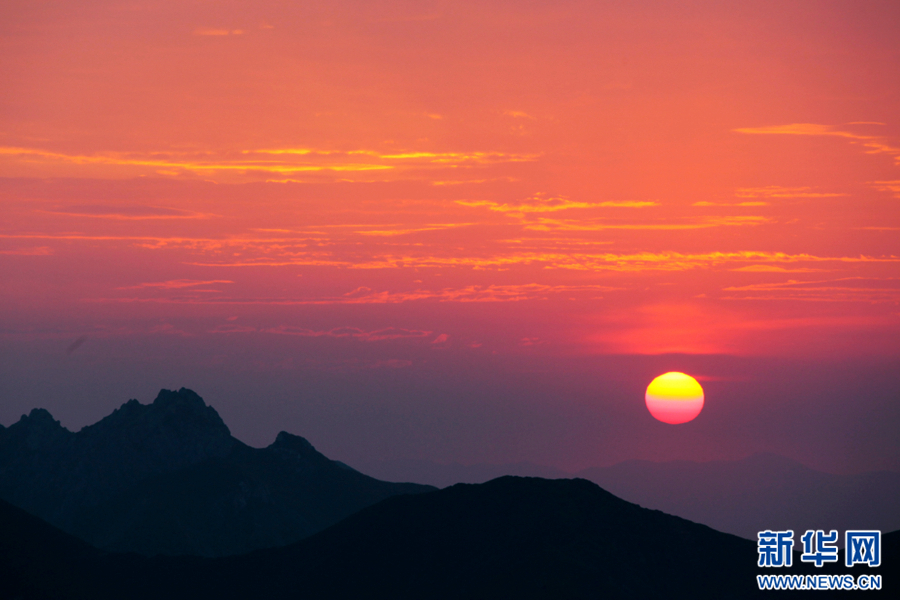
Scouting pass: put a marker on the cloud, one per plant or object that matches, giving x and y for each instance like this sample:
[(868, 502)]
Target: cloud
[(127, 213), (282, 163), (873, 144), (887, 186), (844, 289), (175, 284), (627, 204), (793, 129), (33, 251), (346, 365), (777, 191), (473, 181), (705, 328), (773, 269), (378, 335), (472, 293), (564, 253), (517, 114), (540, 204), (217, 32), (409, 19), (156, 161), (412, 156), (365, 295), (573, 260), (457, 158), (404, 231), (704, 203), (546, 224)]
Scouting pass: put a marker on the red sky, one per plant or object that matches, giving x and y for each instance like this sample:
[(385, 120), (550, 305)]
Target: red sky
[(459, 231)]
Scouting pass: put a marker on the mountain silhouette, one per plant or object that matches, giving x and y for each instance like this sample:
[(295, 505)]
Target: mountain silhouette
[(743, 497), (511, 537), (168, 478), (443, 475), (39, 561), (516, 538)]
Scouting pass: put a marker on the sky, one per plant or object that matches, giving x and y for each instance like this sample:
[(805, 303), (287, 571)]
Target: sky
[(459, 231)]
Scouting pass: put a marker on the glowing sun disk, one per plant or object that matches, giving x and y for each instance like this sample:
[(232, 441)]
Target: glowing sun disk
[(674, 398)]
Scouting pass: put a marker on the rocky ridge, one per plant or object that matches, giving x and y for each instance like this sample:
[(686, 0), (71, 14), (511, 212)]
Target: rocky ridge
[(169, 477)]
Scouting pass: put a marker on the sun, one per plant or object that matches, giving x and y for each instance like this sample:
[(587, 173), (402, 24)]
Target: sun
[(674, 398)]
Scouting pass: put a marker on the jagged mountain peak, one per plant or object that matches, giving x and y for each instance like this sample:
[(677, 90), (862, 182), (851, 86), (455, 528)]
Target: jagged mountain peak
[(168, 477), (291, 442), (176, 415), (183, 398), (37, 429), (41, 417), (138, 440)]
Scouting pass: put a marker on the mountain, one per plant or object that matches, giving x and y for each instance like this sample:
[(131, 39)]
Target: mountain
[(168, 478), (508, 538), (39, 561), (53, 472), (444, 475), (743, 497), (763, 491), (516, 538)]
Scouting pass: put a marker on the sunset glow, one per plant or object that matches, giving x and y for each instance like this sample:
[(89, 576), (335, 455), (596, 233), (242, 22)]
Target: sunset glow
[(426, 191)]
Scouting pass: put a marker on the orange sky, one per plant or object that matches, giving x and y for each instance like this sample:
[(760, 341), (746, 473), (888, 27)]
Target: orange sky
[(572, 179)]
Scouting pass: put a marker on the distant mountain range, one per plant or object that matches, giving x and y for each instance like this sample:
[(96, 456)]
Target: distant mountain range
[(760, 492), (169, 478), (743, 497), (510, 538), (167, 481), (444, 475)]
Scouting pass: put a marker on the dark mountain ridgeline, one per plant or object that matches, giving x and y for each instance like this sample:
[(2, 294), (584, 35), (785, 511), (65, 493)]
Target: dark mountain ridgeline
[(39, 561), (743, 497), (54, 472), (169, 478), (516, 538), (511, 538), (444, 475)]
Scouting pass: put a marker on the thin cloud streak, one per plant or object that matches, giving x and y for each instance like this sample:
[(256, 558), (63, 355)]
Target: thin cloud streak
[(121, 216), (887, 186), (873, 144), (365, 295), (541, 205), (820, 291), (777, 191), (644, 261), (264, 162), (35, 251), (545, 224), (378, 335), (175, 284)]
